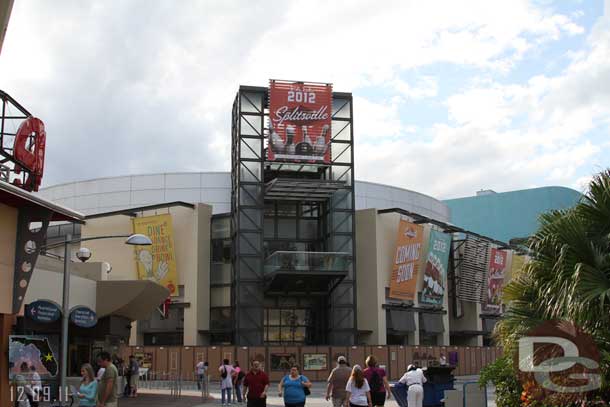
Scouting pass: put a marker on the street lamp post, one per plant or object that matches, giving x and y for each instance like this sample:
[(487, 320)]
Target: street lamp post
[(84, 255)]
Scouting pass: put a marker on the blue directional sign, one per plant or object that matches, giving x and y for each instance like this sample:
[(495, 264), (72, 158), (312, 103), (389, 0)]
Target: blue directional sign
[(84, 317), (43, 311)]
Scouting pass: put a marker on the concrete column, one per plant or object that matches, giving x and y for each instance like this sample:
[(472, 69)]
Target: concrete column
[(479, 338), (414, 336)]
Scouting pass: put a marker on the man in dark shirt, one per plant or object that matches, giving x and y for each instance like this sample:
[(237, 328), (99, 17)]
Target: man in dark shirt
[(256, 384)]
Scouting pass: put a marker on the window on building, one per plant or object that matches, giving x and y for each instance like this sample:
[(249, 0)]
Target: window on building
[(286, 325), (221, 319)]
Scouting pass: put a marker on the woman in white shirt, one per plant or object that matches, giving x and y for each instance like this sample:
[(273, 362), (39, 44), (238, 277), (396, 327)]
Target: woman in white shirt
[(358, 390), (414, 379)]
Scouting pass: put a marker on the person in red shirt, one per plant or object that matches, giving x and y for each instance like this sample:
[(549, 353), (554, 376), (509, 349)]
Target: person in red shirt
[(378, 382), (256, 384)]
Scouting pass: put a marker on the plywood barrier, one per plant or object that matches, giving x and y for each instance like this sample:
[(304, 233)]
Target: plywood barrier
[(316, 362)]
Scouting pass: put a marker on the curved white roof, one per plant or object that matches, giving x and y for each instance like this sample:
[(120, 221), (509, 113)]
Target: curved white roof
[(115, 193)]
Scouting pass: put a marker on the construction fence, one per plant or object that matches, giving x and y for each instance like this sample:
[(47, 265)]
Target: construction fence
[(316, 362)]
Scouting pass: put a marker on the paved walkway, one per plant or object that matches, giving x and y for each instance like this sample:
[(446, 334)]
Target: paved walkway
[(161, 400), (190, 398)]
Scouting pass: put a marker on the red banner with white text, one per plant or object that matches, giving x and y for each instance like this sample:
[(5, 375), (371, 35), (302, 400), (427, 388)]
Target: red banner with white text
[(495, 280), (299, 121)]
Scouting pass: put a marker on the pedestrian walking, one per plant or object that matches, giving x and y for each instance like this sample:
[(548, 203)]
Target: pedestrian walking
[(87, 391), (201, 369), (226, 382), (294, 387), (107, 387), (358, 389), (237, 381), (378, 382), (256, 384), (134, 375), (414, 379), (337, 381), (100, 370)]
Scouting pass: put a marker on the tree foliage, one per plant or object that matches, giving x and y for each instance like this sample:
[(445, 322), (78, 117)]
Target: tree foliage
[(568, 275)]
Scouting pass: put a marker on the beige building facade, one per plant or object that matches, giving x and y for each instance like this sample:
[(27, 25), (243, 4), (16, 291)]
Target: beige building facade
[(189, 311)]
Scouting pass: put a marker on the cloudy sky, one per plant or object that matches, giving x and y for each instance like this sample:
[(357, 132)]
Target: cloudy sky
[(449, 96)]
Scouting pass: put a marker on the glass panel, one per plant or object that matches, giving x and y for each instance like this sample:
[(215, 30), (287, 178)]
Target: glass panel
[(342, 318), (273, 334), (344, 295), (249, 243), (251, 102), (221, 227), (249, 194), (307, 261), (249, 219), (299, 334), (341, 108), (274, 317), (269, 209), (342, 173), (287, 228), (308, 229), (341, 130), (310, 210), (287, 334), (220, 273), (251, 126), (342, 244), (342, 222), (221, 251), (249, 267), (342, 199), (221, 319), (269, 228), (250, 171), (220, 296), (341, 153), (287, 209), (247, 151)]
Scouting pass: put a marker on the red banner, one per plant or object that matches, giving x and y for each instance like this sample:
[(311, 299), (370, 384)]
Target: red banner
[(300, 119), (495, 281)]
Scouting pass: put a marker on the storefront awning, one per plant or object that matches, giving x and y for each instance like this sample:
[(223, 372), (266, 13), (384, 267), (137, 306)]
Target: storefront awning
[(301, 189), (432, 323), (132, 299), (16, 197), (400, 320), (489, 324)]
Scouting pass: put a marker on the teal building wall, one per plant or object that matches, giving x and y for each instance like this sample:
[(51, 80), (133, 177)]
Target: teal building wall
[(506, 215)]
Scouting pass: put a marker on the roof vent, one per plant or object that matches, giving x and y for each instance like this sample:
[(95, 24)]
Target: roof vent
[(486, 192)]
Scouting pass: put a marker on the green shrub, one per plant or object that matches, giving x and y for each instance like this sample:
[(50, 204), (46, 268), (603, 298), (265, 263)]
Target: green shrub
[(501, 374)]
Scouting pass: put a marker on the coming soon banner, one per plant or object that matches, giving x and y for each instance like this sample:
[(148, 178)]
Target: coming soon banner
[(157, 262), (406, 261), (435, 271)]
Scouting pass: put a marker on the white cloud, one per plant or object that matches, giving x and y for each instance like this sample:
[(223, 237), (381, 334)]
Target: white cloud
[(151, 84), (506, 136), (426, 87)]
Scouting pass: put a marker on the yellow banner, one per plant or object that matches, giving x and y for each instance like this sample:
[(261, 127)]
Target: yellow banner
[(157, 262), (405, 267)]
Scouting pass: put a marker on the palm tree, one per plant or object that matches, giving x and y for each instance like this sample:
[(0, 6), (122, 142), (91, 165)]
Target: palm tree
[(568, 276)]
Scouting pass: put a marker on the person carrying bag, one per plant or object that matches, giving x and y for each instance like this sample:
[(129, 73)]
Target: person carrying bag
[(294, 387)]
